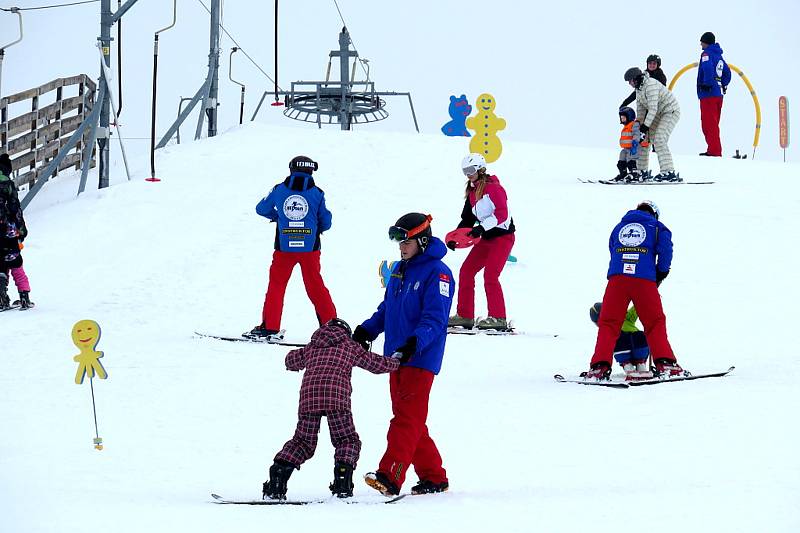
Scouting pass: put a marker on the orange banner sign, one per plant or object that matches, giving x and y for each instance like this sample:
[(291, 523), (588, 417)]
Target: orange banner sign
[(783, 121)]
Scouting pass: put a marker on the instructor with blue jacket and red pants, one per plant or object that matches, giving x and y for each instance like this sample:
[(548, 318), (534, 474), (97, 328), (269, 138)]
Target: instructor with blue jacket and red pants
[(713, 77), (413, 316), (297, 205), (641, 256)]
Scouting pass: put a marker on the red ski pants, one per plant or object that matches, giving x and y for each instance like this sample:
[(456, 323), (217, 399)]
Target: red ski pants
[(491, 256), (408, 440), (620, 291), (710, 113), (279, 273)]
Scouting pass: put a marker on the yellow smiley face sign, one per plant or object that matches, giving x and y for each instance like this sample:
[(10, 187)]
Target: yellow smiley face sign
[(86, 335)]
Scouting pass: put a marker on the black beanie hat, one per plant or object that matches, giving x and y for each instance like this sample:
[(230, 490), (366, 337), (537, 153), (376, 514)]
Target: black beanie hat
[(708, 38), (302, 163), (5, 164)]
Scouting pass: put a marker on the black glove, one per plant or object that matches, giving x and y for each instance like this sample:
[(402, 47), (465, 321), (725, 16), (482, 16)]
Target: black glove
[(407, 350), (361, 336), (724, 89), (644, 128), (451, 245), (476, 232), (661, 276)]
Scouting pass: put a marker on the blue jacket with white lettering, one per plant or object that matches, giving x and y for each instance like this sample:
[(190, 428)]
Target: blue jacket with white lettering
[(713, 73), (416, 303), (298, 206), (639, 246)]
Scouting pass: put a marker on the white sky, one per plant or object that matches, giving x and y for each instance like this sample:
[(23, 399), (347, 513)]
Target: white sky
[(555, 70)]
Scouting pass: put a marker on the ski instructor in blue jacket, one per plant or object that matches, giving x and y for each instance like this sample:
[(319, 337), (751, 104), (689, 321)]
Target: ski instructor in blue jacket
[(640, 246), (298, 208), (413, 316), (713, 77)]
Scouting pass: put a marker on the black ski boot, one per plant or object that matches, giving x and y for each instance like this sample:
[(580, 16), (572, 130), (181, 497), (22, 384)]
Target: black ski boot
[(429, 487), (342, 486), (24, 301), (4, 300), (275, 488)]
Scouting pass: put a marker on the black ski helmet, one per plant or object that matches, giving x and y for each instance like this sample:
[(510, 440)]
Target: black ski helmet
[(303, 163), (338, 322), (412, 226), (633, 73), (5, 165), (654, 57), (628, 113)]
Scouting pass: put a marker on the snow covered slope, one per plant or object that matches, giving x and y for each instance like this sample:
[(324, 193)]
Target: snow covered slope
[(182, 417)]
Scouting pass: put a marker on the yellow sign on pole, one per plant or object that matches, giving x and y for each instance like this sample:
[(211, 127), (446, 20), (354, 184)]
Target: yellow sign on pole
[(86, 335)]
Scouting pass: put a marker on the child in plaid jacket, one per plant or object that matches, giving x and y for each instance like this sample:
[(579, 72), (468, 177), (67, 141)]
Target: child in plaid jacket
[(328, 361)]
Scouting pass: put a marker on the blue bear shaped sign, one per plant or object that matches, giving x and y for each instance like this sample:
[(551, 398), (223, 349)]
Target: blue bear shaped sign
[(459, 110)]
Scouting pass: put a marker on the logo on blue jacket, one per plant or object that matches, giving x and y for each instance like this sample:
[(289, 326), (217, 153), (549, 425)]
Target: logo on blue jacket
[(632, 234), (295, 207)]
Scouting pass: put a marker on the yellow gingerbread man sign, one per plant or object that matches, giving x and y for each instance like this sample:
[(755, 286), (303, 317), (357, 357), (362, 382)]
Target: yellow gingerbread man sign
[(486, 124), (86, 335)]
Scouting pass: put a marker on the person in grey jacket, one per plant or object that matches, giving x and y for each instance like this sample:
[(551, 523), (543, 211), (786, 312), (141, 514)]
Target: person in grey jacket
[(658, 112)]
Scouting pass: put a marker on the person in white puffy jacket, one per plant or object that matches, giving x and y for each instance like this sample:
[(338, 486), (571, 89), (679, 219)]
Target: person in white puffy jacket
[(658, 112)]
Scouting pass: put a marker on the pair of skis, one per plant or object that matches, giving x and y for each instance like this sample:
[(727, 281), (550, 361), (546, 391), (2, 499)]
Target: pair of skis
[(642, 382), (276, 339), (220, 500), (457, 330), (612, 182)]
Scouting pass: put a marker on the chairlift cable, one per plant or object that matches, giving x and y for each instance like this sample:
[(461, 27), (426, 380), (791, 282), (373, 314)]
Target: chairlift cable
[(49, 7), (351, 40), (240, 46)]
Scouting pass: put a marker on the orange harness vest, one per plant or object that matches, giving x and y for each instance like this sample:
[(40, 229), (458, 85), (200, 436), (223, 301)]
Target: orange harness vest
[(626, 137)]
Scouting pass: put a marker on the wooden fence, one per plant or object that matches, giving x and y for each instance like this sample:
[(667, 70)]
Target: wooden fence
[(32, 139)]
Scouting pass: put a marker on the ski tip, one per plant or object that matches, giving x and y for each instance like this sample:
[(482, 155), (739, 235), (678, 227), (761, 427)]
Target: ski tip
[(217, 497), (558, 377)]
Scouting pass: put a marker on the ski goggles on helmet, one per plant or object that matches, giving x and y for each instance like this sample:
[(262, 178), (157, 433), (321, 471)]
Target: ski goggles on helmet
[(470, 170), (398, 234)]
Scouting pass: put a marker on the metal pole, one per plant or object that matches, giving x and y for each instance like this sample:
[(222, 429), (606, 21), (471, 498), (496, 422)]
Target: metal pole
[(119, 64), (14, 10), (153, 177), (213, 65), (344, 76), (105, 111), (276, 52), (230, 76), (109, 78), (180, 105)]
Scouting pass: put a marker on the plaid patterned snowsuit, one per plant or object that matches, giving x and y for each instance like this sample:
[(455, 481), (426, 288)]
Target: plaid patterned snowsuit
[(328, 361)]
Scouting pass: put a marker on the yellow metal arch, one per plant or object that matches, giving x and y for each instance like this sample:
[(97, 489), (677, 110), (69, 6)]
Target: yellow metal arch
[(738, 71)]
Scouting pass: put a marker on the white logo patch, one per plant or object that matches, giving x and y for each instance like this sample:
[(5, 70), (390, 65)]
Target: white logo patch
[(632, 234), (296, 224), (416, 285), (630, 257), (444, 288), (629, 268), (295, 244), (295, 207)]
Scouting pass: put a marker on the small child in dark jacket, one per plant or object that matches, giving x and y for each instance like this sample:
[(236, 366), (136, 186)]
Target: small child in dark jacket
[(328, 361), (12, 232)]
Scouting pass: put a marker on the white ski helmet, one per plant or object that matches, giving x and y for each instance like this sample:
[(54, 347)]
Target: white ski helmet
[(650, 205), (471, 164)]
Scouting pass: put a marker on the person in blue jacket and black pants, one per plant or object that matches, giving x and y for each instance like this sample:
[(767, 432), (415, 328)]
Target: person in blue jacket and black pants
[(297, 205), (413, 316)]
